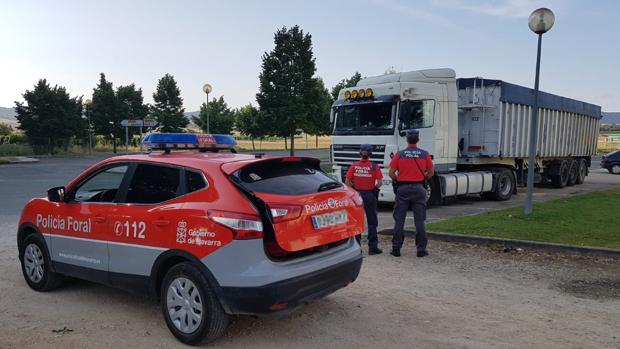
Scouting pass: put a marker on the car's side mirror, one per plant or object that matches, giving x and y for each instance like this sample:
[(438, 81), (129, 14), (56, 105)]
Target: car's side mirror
[(56, 194)]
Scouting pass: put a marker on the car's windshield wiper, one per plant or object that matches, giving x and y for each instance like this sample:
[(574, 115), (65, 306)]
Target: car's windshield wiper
[(329, 186)]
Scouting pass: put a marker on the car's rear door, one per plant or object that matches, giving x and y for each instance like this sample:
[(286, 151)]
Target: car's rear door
[(308, 208)]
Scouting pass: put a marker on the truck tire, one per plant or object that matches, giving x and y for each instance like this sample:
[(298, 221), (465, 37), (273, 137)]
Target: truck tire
[(559, 180), (503, 186), (573, 172), (582, 171), (433, 196)]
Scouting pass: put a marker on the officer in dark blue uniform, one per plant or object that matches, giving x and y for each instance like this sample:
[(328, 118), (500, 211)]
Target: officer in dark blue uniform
[(365, 176), (410, 168)]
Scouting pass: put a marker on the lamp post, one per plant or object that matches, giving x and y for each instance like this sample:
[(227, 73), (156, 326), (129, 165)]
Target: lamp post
[(207, 89), (540, 22), (90, 127)]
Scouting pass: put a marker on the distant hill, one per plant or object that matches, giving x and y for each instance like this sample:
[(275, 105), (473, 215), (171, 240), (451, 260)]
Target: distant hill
[(8, 115), (611, 118)]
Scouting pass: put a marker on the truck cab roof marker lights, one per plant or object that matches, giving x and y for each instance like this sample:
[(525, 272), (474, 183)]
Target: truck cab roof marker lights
[(200, 141)]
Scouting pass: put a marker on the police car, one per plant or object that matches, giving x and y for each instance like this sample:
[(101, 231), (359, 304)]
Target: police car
[(210, 233)]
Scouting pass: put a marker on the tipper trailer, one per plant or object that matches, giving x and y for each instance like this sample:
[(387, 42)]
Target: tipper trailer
[(476, 129)]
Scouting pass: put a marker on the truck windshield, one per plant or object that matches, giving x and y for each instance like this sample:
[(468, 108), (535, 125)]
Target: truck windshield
[(371, 118)]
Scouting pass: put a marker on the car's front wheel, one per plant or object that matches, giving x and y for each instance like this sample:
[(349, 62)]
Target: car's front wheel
[(36, 265), (192, 312)]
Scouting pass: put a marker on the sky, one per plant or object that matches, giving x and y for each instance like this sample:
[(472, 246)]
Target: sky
[(221, 42)]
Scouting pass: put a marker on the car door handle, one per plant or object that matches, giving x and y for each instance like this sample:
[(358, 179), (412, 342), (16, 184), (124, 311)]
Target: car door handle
[(99, 219), (161, 222)]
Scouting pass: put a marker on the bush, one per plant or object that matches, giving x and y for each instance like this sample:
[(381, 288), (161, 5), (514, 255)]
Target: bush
[(15, 150)]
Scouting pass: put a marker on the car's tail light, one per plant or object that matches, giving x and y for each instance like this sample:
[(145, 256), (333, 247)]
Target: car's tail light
[(357, 199), (244, 226), (281, 213)]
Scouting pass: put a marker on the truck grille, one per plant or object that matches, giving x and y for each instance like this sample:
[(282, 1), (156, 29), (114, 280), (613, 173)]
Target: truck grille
[(346, 154)]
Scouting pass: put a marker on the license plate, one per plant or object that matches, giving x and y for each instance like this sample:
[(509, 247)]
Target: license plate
[(329, 219)]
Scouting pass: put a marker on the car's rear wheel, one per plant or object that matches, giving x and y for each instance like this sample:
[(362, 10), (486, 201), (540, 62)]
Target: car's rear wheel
[(192, 312), (36, 265), (615, 169)]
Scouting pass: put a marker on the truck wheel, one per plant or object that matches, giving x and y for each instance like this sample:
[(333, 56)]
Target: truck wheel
[(36, 265), (560, 180), (504, 185), (582, 171), (573, 172), (192, 312), (433, 194)]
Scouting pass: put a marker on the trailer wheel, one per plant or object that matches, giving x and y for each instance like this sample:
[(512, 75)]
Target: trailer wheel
[(582, 171), (573, 172), (504, 185), (559, 180)]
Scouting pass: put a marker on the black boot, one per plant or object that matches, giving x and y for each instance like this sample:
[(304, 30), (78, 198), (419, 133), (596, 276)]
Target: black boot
[(422, 253), (395, 252), (375, 250)]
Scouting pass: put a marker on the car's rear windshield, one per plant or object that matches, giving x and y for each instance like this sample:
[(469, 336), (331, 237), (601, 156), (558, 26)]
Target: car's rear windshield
[(285, 178)]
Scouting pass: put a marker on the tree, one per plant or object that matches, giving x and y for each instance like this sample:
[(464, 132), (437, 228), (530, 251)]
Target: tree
[(5, 129), (250, 123), (350, 82), (286, 82), (104, 113), (130, 105), (50, 117), (318, 121), (221, 118), (168, 109)]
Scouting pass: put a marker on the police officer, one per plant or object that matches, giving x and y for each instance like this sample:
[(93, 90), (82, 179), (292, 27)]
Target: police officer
[(410, 168), (365, 177)]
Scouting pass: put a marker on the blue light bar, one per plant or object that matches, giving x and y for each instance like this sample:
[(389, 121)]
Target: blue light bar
[(167, 141)]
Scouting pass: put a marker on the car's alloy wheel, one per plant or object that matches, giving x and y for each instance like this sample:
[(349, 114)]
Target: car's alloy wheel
[(184, 305), (615, 169), (34, 263)]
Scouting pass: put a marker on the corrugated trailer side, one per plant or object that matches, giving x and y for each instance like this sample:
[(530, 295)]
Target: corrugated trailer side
[(494, 121)]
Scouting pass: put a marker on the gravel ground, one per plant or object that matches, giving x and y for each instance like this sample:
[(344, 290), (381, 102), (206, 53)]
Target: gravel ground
[(461, 296)]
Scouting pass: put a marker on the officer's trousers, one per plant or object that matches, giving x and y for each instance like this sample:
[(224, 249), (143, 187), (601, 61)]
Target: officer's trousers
[(370, 207), (410, 195)]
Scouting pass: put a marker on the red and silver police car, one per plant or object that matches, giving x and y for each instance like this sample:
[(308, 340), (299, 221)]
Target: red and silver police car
[(209, 233)]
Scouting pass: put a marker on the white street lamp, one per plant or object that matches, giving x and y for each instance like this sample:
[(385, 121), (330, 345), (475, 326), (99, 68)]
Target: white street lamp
[(206, 88), (540, 22), (87, 104)]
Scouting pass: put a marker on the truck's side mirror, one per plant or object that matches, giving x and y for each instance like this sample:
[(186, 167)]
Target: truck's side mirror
[(56, 194), (402, 133)]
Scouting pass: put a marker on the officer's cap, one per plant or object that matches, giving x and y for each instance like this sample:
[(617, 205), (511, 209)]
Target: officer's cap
[(366, 147), (413, 133)]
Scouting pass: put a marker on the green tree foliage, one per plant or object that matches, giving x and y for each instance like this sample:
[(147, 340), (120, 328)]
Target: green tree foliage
[(318, 120), (130, 105), (168, 108), (250, 123), (5, 129), (221, 118), (104, 113), (49, 117), (286, 83), (350, 82)]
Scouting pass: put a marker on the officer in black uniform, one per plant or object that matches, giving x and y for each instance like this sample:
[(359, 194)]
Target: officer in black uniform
[(410, 168)]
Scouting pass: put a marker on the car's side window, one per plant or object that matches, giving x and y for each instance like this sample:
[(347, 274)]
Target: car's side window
[(152, 184), (194, 181), (102, 187)]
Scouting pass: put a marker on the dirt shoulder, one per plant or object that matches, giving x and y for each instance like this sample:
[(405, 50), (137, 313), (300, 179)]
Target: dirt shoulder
[(461, 296)]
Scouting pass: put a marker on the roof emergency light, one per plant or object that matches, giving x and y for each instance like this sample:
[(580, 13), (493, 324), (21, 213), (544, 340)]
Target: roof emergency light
[(201, 141)]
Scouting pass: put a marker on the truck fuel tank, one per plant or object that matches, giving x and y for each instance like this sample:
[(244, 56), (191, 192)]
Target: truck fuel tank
[(463, 183)]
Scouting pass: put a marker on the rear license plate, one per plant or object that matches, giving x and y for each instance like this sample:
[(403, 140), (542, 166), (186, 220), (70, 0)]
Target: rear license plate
[(329, 219)]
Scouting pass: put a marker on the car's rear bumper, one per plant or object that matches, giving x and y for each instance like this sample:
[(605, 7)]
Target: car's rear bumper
[(286, 295)]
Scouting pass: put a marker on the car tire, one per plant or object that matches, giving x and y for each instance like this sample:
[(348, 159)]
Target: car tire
[(191, 310), (582, 171), (615, 169), (559, 180), (36, 265), (573, 172)]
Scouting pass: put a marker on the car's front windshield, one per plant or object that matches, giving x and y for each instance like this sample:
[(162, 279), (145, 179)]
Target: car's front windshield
[(367, 118)]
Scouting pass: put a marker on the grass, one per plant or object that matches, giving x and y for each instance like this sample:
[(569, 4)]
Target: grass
[(584, 220)]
